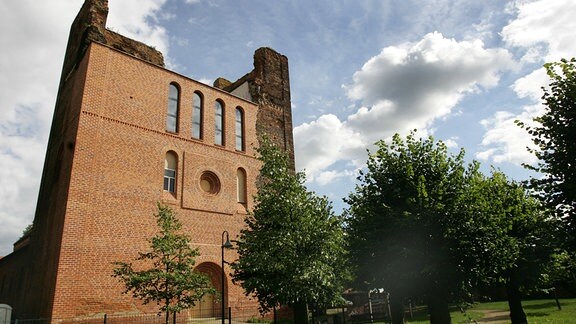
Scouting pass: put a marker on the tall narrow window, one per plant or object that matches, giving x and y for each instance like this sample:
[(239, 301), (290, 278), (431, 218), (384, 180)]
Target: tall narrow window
[(170, 167), (172, 113), (239, 129), (241, 185), (218, 123), (197, 116)]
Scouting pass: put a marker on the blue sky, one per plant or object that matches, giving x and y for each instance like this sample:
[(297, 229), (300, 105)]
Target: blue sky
[(360, 71)]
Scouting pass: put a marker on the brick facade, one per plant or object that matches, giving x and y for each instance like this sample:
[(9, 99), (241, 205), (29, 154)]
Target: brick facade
[(104, 171)]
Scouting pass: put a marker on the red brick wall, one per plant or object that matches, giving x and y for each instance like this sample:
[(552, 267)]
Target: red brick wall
[(270, 89), (117, 177), (13, 276)]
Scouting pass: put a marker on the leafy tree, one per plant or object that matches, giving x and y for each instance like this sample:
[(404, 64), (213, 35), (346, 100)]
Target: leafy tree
[(171, 281), (561, 272), (479, 224), (554, 136), (401, 224), (528, 234), (423, 224), (292, 251)]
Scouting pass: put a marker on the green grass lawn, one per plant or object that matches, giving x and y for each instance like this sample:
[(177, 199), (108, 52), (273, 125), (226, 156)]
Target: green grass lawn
[(420, 315), (537, 311), (540, 311)]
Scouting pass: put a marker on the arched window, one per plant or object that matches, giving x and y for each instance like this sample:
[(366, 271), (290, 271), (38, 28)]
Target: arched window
[(170, 167), (239, 129), (172, 113), (241, 185), (197, 115), (218, 123)]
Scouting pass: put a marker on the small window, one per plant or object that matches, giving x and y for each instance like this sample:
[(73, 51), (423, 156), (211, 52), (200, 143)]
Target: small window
[(241, 185), (218, 123), (170, 167), (197, 116), (239, 129), (172, 113), (209, 183)]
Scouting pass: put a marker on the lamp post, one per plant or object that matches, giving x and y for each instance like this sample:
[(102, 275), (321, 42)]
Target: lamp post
[(225, 245)]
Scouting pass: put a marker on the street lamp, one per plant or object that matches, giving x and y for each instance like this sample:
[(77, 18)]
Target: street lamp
[(225, 245)]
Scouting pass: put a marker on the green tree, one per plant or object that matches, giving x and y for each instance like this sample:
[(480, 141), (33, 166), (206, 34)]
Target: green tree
[(554, 136), (423, 224), (170, 281), (409, 227), (561, 272), (527, 235), (292, 251)]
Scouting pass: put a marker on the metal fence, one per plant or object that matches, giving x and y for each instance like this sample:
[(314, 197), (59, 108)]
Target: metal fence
[(237, 317)]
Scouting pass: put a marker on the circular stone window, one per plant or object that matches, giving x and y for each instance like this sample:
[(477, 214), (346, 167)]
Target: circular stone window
[(209, 183)]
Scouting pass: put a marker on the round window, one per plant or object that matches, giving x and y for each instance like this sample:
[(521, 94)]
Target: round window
[(209, 183)]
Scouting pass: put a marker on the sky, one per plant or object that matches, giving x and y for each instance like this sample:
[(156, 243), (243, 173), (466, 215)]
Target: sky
[(461, 71)]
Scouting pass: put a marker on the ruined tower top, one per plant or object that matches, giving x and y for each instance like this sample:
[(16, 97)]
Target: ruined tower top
[(90, 26), (268, 85)]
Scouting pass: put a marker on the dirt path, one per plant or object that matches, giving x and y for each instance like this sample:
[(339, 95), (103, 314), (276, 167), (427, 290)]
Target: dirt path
[(494, 316)]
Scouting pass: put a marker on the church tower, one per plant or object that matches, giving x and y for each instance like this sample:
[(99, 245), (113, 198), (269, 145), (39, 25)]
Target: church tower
[(128, 133)]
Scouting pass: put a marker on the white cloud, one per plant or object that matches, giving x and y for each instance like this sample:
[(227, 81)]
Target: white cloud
[(31, 59), (530, 86), (321, 143), (326, 177), (505, 141), (452, 142), (438, 67), (404, 87), (545, 30), (19, 181), (484, 28), (544, 22), (137, 19), (411, 85)]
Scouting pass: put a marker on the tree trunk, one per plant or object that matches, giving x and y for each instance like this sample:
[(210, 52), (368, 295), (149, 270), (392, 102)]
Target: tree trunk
[(517, 315), (438, 308), (396, 309), (301, 312)]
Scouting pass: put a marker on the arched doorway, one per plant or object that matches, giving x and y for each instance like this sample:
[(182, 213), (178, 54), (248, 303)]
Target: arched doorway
[(210, 305)]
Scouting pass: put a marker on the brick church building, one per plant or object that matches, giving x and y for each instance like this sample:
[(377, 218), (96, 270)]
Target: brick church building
[(128, 133)]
